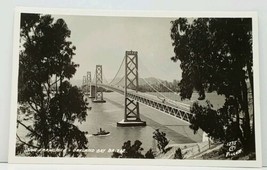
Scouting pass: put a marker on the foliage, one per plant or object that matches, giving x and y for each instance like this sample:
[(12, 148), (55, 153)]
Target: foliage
[(161, 139), (216, 122), (178, 154), (133, 151), (45, 66), (216, 55), (150, 154), (221, 124)]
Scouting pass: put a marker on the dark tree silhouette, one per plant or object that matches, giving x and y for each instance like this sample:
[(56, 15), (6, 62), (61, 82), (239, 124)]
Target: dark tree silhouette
[(161, 139), (133, 151), (47, 100), (150, 154), (216, 55), (178, 154)]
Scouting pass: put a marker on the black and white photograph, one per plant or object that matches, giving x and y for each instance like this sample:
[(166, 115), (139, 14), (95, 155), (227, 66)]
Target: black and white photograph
[(181, 89)]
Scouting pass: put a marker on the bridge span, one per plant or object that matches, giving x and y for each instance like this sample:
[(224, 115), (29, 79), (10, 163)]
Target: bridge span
[(131, 94), (177, 110)]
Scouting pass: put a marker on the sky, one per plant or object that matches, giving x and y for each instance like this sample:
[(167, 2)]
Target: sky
[(102, 40)]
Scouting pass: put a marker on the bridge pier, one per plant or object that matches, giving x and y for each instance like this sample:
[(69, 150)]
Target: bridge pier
[(131, 114), (88, 82), (84, 84), (92, 91), (131, 107), (99, 80)]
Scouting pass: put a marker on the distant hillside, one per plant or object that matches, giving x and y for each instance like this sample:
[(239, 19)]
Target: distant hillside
[(144, 84), (150, 80), (142, 81)]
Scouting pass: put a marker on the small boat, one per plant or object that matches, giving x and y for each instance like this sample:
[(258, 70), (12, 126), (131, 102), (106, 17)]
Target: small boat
[(101, 133)]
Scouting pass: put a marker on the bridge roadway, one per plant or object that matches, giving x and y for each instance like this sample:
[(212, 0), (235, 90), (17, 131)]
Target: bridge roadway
[(178, 110)]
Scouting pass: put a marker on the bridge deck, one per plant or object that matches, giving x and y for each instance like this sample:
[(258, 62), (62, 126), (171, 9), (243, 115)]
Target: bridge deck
[(178, 110)]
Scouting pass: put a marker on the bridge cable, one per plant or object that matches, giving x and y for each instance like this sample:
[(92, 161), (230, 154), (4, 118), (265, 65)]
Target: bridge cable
[(104, 79), (119, 80), (117, 71), (160, 93), (94, 78), (164, 86), (123, 77), (152, 86), (157, 78)]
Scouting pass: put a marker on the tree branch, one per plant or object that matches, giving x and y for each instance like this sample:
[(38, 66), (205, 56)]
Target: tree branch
[(35, 109), (26, 142), (46, 88), (55, 82), (29, 129)]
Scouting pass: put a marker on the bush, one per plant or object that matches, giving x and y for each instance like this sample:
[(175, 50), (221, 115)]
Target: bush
[(178, 154), (161, 140), (133, 151)]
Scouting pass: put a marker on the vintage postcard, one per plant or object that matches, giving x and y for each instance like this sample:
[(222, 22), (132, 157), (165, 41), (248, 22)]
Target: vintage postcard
[(135, 87)]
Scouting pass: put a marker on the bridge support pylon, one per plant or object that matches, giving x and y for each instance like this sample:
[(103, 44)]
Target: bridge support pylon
[(131, 107), (88, 83), (90, 88), (92, 91), (98, 90)]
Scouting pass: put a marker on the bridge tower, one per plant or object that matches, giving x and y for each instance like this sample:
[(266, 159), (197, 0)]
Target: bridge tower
[(91, 87), (88, 82), (84, 80), (84, 84), (98, 90), (131, 107)]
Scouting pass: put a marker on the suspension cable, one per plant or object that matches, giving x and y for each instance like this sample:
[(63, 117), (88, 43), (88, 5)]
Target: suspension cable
[(140, 61), (152, 86), (165, 86), (104, 79), (171, 101), (119, 80), (94, 79), (118, 71), (157, 91), (123, 75)]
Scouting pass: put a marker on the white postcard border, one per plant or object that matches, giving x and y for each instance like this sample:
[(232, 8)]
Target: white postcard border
[(60, 11)]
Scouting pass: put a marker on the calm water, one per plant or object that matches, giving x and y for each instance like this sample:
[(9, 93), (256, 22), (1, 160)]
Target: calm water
[(106, 115)]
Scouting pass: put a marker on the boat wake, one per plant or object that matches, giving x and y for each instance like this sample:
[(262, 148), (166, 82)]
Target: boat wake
[(102, 135), (89, 135)]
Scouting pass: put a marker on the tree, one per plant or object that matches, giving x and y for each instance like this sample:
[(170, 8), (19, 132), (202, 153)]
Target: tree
[(161, 140), (133, 151), (45, 66), (216, 55), (178, 154), (150, 154)]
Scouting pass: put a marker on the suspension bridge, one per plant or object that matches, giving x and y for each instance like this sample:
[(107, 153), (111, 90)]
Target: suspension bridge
[(126, 82)]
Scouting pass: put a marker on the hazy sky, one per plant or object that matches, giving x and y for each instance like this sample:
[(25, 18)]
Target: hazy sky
[(104, 40)]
